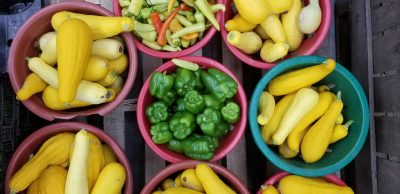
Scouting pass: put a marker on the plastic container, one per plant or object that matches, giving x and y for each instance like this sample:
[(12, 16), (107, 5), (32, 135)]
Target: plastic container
[(32, 143), (278, 176), (226, 144), (308, 46), (231, 180), (184, 52), (355, 108), (23, 46)]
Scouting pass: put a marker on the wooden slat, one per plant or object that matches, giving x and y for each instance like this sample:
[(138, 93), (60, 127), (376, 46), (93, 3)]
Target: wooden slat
[(388, 135), (386, 51), (389, 176), (386, 95), (114, 124), (385, 14)]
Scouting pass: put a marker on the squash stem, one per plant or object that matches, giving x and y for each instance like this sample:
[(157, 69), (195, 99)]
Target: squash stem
[(348, 123), (339, 96)]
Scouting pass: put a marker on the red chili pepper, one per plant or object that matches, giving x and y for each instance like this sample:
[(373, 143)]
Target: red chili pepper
[(162, 36), (185, 7), (155, 18)]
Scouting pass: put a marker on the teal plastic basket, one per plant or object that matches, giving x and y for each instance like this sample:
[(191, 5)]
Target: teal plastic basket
[(355, 108)]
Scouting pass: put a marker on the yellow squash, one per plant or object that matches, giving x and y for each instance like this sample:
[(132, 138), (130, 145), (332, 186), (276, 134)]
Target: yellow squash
[(302, 104), (316, 140), (95, 160), (96, 69), (279, 6), (109, 155), (340, 131), (300, 78), (280, 109), (178, 181), (49, 51), (120, 64), (54, 151), (340, 119), (34, 187), (286, 152), (270, 189), (117, 84), (101, 26), (294, 184), (271, 52), (44, 38), (110, 48), (180, 190), (111, 180), (247, 42), (212, 184), (50, 100), (74, 42), (238, 23), (33, 84), (324, 101), (266, 107), (109, 79), (273, 27), (261, 32), (289, 22), (52, 180), (255, 11), (189, 180), (167, 183)]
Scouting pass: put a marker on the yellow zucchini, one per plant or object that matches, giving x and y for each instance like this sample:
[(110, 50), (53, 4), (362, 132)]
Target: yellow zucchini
[(110, 48), (271, 52), (109, 155), (261, 32), (74, 42), (54, 151), (95, 160), (52, 180), (324, 101), (294, 184), (34, 187), (101, 26), (340, 119), (266, 107), (77, 180), (255, 11), (33, 84), (111, 179), (270, 189), (96, 69), (212, 184), (180, 190), (300, 78), (167, 183), (316, 140), (247, 42), (49, 51), (189, 180), (302, 104), (289, 22), (280, 109), (44, 38), (280, 6), (273, 26), (109, 79), (340, 131), (238, 23), (120, 64), (50, 100), (286, 152)]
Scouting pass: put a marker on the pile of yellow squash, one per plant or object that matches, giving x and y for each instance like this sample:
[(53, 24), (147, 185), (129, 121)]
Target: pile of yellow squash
[(72, 164), (305, 119), (199, 180), (293, 184), (80, 62)]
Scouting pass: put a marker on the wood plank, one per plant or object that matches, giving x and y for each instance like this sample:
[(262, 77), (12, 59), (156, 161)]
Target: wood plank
[(387, 51), (389, 176), (114, 124), (388, 135), (386, 94), (385, 15)]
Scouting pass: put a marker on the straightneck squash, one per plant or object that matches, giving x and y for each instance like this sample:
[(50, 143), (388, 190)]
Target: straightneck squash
[(289, 23), (211, 182), (272, 25), (52, 180), (255, 11), (238, 23), (271, 52), (294, 184), (247, 42), (50, 100), (111, 179), (109, 155), (74, 43), (95, 159)]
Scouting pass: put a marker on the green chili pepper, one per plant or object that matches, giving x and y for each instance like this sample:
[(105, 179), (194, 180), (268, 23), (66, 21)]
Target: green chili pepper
[(160, 8), (189, 2), (179, 105), (205, 8), (157, 2), (145, 12), (157, 112), (125, 12), (211, 102), (152, 45), (160, 133), (175, 145), (220, 85), (124, 3), (169, 48), (208, 121), (199, 27), (184, 81), (200, 147), (182, 124), (135, 6), (184, 21), (185, 43), (160, 84), (140, 27), (148, 36), (193, 102), (231, 112), (218, 7)]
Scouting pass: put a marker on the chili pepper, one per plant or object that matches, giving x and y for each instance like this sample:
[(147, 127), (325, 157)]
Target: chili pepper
[(208, 121), (169, 48), (140, 27), (211, 102), (231, 112), (218, 7), (153, 45), (160, 8), (185, 7), (124, 3), (182, 125), (188, 2), (169, 98), (157, 112), (160, 84), (125, 12), (185, 43), (135, 6), (145, 12), (205, 8), (183, 20), (161, 39), (199, 27), (157, 2), (175, 145), (160, 133), (184, 81), (193, 102), (200, 147), (170, 5), (179, 105), (220, 85), (155, 18), (148, 36)]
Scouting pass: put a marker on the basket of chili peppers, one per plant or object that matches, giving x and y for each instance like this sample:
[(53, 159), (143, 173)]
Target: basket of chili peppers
[(192, 107), (171, 28)]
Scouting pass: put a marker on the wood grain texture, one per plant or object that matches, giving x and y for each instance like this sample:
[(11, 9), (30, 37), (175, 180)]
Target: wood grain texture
[(386, 53), (388, 135), (114, 124), (386, 95), (385, 15), (389, 176)]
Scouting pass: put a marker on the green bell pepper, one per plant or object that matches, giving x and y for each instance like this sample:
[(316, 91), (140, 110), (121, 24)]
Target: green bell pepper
[(193, 102), (220, 85), (199, 83), (160, 84), (222, 129), (182, 125), (160, 133), (208, 121), (170, 97), (200, 147), (175, 145), (157, 112), (184, 81), (179, 105), (231, 112), (211, 102)]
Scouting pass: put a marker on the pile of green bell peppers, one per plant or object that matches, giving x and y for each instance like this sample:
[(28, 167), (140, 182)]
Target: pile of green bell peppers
[(192, 110)]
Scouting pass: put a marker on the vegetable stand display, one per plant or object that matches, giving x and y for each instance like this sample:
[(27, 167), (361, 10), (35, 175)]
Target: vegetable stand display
[(355, 32)]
